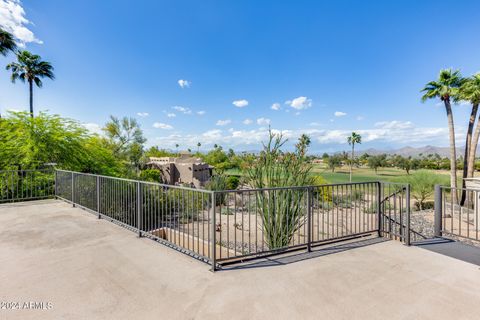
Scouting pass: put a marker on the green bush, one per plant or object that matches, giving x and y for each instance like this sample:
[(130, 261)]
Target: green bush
[(151, 175), (427, 205), (218, 183), (232, 182), (422, 184)]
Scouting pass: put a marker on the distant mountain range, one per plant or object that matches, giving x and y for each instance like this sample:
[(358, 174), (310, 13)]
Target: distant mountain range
[(414, 152)]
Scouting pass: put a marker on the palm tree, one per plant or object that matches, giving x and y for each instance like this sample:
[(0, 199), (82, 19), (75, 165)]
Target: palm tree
[(447, 88), (30, 67), (198, 147), (6, 42), (176, 147), (303, 143), (352, 139), (470, 91)]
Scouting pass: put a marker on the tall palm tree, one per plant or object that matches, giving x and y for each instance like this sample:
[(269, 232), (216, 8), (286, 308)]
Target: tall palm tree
[(30, 67), (176, 147), (198, 147), (446, 88), (352, 140), (470, 91), (7, 43), (303, 143)]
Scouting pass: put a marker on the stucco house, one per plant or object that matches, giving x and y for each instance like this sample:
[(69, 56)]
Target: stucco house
[(184, 169)]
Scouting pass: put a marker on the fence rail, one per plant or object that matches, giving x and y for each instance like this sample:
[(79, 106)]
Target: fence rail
[(174, 215), (222, 227), (454, 219), (22, 185)]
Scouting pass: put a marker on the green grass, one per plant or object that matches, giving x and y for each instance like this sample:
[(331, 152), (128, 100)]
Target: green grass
[(341, 175)]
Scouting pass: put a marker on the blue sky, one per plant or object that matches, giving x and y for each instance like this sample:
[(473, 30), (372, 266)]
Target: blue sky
[(329, 67)]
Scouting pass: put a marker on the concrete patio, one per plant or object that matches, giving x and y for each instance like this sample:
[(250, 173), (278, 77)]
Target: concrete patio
[(87, 268)]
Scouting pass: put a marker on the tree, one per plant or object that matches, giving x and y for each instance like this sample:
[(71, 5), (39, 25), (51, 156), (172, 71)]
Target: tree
[(198, 147), (352, 139), (423, 184), (375, 162), (30, 68), (126, 139), (404, 163), (7, 43), (302, 145), (29, 143), (176, 147), (217, 158), (446, 88), (470, 91), (334, 161)]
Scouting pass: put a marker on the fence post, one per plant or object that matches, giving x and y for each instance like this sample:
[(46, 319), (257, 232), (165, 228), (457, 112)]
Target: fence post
[(55, 184), (438, 211), (407, 231), (379, 209), (73, 189), (213, 243), (139, 209), (309, 220), (98, 197)]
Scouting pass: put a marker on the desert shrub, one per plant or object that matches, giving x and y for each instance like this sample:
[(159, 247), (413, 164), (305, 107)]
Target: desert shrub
[(324, 194), (232, 182), (422, 184), (427, 205), (282, 211), (218, 183)]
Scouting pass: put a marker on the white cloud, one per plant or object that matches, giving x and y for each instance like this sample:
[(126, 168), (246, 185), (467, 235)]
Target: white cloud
[(212, 134), (201, 112), (240, 103), (223, 122), (339, 114), (143, 114), (275, 106), (300, 103), (247, 121), (12, 19), (314, 124), (163, 126), (263, 121), (360, 118), (94, 128), (183, 110), (386, 132), (184, 83), (14, 110), (395, 124), (171, 115)]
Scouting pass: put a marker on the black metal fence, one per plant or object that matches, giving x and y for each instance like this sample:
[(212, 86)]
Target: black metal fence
[(455, 219), (222, 227), (174, 215), (22, 185)]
